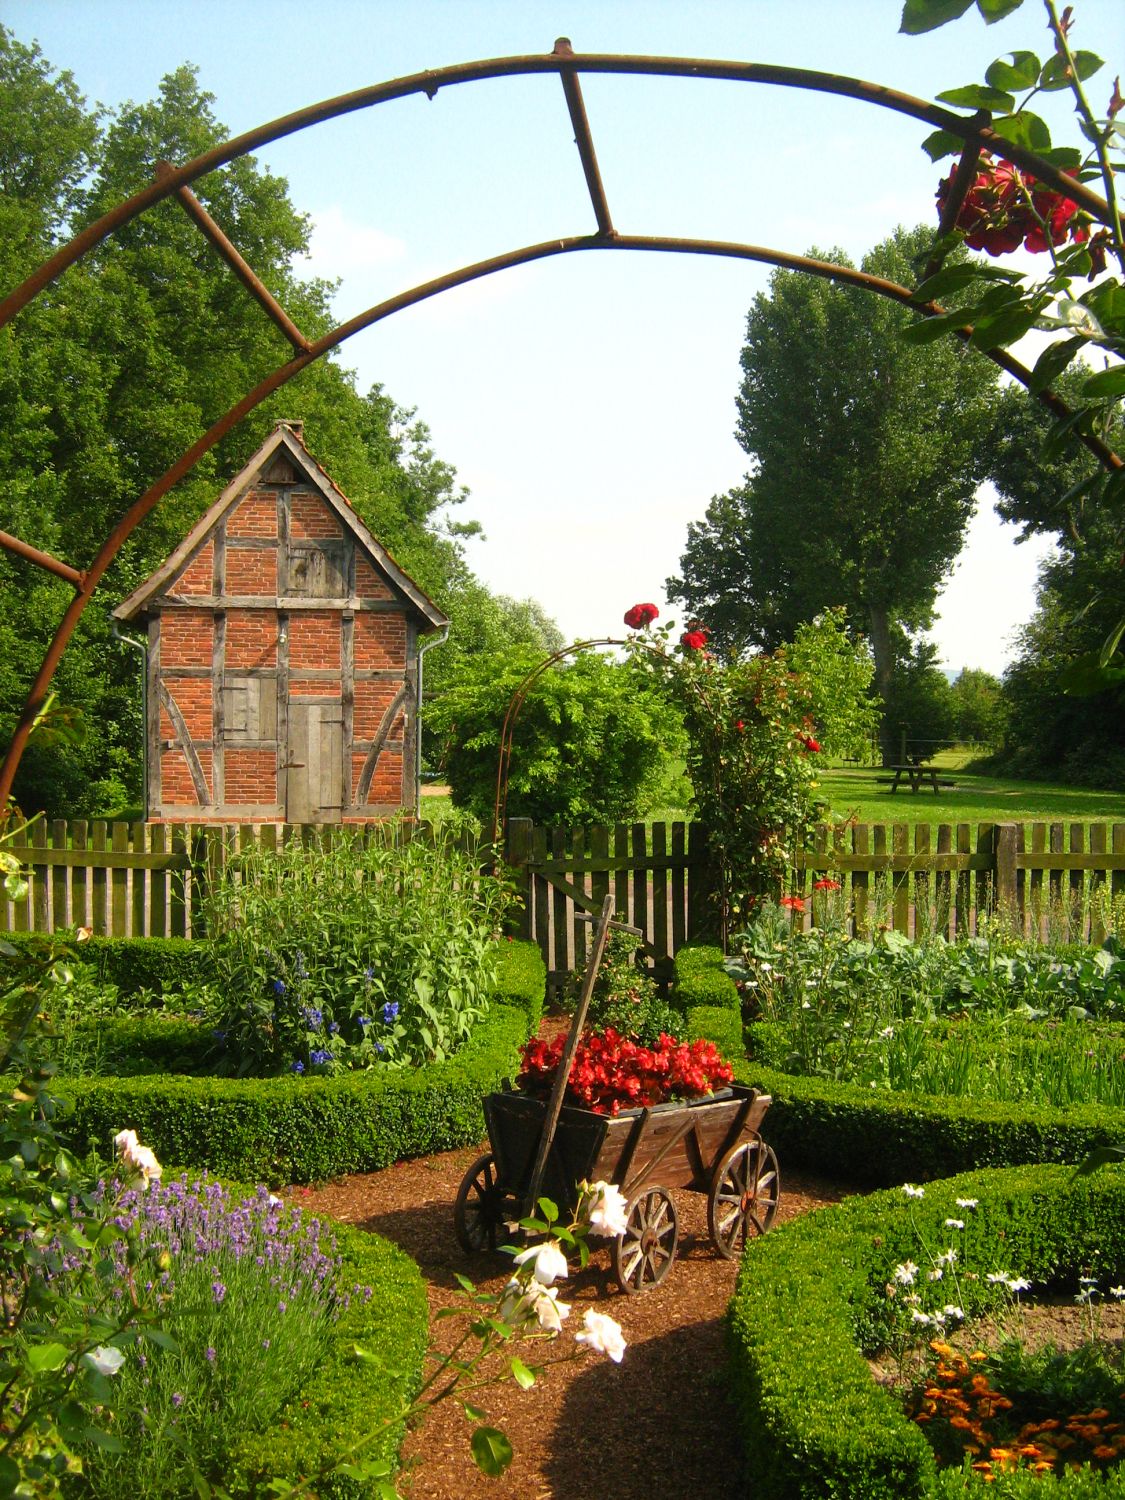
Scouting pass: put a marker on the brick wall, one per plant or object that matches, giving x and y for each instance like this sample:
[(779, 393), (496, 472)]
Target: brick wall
[(185, 638), (192, 696), (256, 515), (309, 516), (380, 640), (371, 702), (251, 638), (314, 638), (368, 584), (198, 577), (251, 570), (176, 784), (250, 775)]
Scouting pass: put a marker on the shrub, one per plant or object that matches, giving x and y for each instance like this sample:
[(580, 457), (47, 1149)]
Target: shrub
[(815, 1422), (138, 969), (625, 997), (700, 979), (367, 948)]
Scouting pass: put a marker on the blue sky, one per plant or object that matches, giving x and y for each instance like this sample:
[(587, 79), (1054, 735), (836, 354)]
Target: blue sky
[(588, 401)]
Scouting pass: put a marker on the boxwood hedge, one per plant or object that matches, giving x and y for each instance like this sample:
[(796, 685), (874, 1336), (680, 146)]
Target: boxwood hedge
[(812, 1296), (875, 1136), (291, 1129)]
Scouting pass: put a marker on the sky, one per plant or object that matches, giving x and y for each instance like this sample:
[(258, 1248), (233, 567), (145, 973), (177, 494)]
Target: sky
[(587, 401)]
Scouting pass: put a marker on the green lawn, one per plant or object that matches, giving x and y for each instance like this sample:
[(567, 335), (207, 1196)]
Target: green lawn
[(855, 793)]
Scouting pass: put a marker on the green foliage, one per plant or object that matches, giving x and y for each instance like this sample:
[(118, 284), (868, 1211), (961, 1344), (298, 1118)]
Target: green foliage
[(700, 979), (839, 672), (980, 715), (287, 1129), (625, 996), (590, 744), (882, 482), (370, 949), (814, 1421), (65, 1326)]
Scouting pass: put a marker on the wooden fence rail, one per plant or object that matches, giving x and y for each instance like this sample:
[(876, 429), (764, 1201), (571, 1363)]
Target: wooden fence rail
[(1050, 879)]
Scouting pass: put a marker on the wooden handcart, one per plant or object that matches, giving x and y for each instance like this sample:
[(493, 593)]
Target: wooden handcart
[(709, 1145)]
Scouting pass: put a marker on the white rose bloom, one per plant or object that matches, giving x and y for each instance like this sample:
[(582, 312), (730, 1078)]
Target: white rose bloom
[(602, 1334), (609, 1210), (105, 1359), (125, 1141), (548, 1263), (548, 1310)]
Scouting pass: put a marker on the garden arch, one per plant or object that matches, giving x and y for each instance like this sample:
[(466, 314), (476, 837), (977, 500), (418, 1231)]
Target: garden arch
[(169, 180)]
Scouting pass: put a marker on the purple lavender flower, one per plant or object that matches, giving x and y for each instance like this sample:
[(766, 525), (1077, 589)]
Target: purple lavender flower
[(218, 1290), (177, 1399), (209, 1354)]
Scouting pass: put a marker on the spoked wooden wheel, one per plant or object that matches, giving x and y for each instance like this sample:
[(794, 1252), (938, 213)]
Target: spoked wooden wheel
[(481, 1210), (744, 1196), (643, 1255)]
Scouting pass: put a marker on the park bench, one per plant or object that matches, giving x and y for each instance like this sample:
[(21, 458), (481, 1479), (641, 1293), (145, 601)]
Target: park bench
[(915, 776)]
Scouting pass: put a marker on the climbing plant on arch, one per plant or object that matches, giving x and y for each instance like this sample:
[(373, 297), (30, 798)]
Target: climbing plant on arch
[(981, 137)]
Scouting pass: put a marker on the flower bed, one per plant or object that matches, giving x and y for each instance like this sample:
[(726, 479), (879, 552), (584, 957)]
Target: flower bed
[(294, 1129), (815, 1422), (611, 1072)]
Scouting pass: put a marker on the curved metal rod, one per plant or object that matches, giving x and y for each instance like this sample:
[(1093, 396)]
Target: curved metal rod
[(284, 373), (974, 130)]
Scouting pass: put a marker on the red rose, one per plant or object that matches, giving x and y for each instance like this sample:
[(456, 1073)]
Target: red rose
[(996, 215), (808, 742), (694, 640), (641, 615)]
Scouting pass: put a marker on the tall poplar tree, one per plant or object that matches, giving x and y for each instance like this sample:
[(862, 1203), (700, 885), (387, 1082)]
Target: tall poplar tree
[(866, 453)]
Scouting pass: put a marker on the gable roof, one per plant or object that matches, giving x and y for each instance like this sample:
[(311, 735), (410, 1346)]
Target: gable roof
[(285, 438)]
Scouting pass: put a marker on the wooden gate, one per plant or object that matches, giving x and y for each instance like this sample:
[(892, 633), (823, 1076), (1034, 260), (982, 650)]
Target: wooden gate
[(657, 873)]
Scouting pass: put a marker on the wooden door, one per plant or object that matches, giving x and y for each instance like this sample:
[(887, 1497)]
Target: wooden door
[(315, 767)]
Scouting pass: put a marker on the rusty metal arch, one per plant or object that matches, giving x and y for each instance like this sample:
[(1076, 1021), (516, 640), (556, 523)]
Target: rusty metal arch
[(170, 180)]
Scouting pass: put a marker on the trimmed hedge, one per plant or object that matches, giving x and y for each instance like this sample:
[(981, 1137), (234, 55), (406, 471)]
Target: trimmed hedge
[(698, 978), (347, 1398), (290, 1129), (812, 1294), (135, 964)]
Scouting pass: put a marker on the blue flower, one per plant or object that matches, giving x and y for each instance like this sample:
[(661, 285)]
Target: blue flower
[(279, 986), (333, 1027), (363, 1020), (321, 1055), (390, 1011), (314, 1015), (299, 967), (380, 1048), (218, 1290), (369, 974), (297, 1067)]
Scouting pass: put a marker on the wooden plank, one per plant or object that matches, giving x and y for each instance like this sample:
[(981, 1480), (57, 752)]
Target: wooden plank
[(539, 899), (564, 958), (1117, 879), (599, 882), (943, 893), (119, 884), (347, 715), (60, 880), (984, 893), (80, 881), (679, 886), (1035, 881), (98, 876), (1021, 880), (621, 872), (880, 905), (39, 878), (219, 703), (581, 936), (900, 833), (964, 903), (1076, 911), (1054, 875), (139, 880), (701, 908), (660, 890), (1098, 887), (1004, 843), (926, 920), (860, 881), (639, 911), (158, 883), (177, 904)]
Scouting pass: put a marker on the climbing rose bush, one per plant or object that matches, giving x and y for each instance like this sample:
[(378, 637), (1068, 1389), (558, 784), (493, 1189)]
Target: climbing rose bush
[(1006, 208), (612, 1072)]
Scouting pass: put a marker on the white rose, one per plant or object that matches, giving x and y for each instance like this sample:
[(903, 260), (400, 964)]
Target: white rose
[(548, 1263), (125, 1141), (602, 1334), (105, 1359), (609, 1210)]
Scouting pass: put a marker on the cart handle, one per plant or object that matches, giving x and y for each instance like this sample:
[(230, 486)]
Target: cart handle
[(566, 1062)]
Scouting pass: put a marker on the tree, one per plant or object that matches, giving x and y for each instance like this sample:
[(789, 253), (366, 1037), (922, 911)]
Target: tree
[(589, 745), (979, 712), (866, 454), (838, 671)]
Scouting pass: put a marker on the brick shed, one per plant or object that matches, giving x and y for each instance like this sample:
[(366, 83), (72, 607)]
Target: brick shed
[(283, 656)]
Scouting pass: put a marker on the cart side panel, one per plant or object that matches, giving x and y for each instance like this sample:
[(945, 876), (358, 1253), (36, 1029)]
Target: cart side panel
[(515, 1123)]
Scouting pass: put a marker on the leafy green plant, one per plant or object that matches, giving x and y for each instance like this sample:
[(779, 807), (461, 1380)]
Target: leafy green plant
[(625, 997), (361, 951)]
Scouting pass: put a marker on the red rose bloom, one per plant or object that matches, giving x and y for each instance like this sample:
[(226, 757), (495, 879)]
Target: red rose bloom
[(808, 742), (640, 615), (997, 215), (694, 640)]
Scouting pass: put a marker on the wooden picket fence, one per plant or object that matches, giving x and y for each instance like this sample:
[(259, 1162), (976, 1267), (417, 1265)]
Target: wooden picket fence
[(1051, 879)]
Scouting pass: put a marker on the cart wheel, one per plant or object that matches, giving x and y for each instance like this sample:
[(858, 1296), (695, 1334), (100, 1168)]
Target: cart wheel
[(744, 1196), (480, 1212), (643, 1255)]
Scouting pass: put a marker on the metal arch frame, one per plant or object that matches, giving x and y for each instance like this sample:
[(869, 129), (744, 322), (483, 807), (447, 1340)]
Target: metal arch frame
[(170, 181)]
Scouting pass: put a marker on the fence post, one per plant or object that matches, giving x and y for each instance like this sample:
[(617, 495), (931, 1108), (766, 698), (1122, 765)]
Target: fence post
[(519, 836), (1004, 867)]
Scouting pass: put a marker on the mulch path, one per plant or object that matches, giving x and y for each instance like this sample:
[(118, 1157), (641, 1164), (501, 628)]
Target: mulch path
[(658, 1426)]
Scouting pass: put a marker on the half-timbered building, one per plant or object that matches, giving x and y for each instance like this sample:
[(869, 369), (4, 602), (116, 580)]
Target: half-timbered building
[(283, 656)]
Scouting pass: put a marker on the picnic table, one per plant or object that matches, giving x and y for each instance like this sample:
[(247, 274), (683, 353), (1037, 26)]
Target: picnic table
[(916, 776)]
